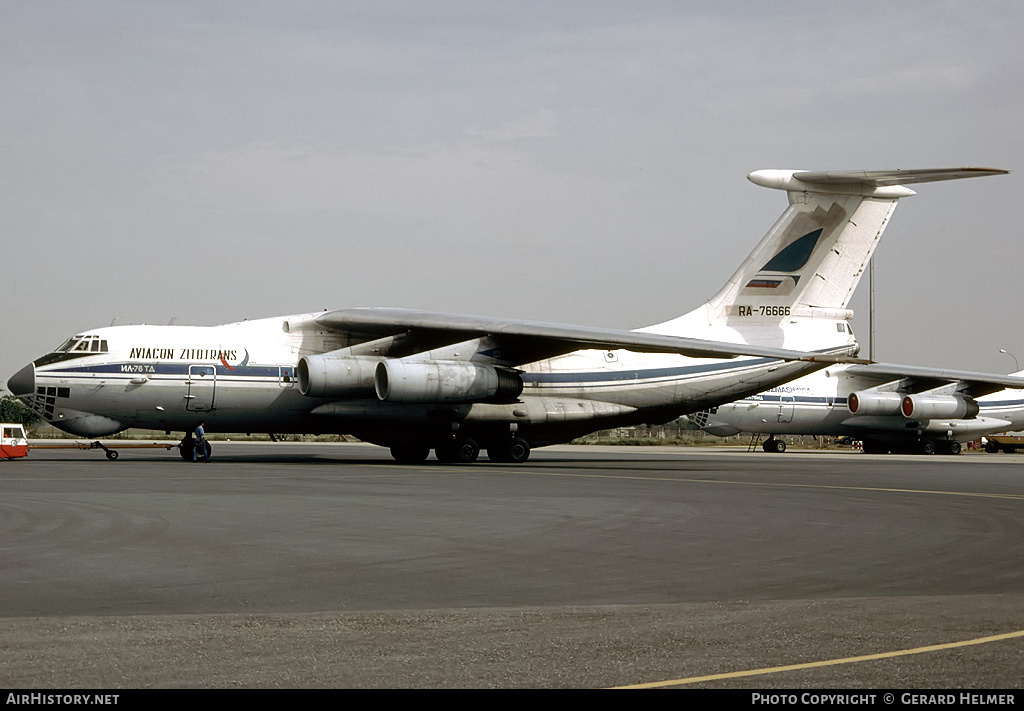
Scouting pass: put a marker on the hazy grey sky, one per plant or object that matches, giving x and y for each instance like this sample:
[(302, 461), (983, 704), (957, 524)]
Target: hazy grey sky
[(581, 162)]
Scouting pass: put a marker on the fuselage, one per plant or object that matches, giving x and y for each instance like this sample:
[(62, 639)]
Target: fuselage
[(242, 377), (818, 404)]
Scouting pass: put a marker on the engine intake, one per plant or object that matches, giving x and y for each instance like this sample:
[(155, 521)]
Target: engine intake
[(873, 402), (923, 407), (333, 375), (439, 382)]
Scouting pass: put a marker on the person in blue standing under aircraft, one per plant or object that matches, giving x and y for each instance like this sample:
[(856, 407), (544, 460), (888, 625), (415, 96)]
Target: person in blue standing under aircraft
[(201, 448)]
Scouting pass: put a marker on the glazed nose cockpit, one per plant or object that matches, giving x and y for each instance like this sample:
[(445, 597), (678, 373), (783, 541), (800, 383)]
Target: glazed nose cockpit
[(23, 383), (43, 386)]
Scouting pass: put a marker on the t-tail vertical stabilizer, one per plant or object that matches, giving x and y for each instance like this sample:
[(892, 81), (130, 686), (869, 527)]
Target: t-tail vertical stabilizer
[(810, 262)]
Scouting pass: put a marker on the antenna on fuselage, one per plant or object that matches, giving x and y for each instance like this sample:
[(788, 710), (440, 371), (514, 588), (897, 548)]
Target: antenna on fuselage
[(113, 321)]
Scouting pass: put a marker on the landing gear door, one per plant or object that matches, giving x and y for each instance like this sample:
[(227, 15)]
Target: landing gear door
[(202, 386)]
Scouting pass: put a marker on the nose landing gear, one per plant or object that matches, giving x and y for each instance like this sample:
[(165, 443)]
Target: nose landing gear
[(187, 449)]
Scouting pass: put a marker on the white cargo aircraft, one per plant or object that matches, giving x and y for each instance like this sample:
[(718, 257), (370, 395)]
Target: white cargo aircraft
[(416, 381), (888, 407)]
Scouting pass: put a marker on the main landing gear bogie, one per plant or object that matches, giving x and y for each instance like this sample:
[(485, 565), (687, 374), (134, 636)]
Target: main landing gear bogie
[(463, 449), (928, 446), (936, 446)]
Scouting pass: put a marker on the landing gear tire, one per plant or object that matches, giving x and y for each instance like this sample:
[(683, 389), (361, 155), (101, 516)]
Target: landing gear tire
[(410, 454), (870, 447), (991, 447), (497, 454), (519, 451), (187, 448), (462, 451), (928, 447), (954, 448), (774, 445), (515, 450), (112, 454)]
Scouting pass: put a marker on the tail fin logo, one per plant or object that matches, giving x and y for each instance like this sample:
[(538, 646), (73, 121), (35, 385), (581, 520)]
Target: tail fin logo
[(771, 278), (794, 256)]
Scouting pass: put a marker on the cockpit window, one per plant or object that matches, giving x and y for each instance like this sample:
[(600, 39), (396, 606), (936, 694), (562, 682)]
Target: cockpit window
[(75, 347), (83, 344)]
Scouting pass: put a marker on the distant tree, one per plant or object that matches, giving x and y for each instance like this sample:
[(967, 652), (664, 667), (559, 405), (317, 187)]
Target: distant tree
[(13, 410)]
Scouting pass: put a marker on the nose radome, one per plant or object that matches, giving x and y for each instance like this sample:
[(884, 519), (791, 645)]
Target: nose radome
[(24, 381)]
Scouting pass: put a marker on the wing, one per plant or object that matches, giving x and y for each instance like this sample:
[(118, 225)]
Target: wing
[(518, 342), (918, 379)]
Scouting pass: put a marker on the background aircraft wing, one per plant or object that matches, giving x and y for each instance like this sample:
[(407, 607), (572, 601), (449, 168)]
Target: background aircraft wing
[(527, 341), (919, 379)]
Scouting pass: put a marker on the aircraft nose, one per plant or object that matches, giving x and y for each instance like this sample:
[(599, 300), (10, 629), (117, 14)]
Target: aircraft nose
[(24, 381)]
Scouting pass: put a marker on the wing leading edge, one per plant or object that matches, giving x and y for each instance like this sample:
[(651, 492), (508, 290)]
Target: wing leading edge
[(919, 379), (527, 341)]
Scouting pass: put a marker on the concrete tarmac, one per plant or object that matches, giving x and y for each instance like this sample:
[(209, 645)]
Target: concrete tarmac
[(301, 565)]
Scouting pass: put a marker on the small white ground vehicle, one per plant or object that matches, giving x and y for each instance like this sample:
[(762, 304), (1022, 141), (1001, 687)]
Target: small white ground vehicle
[(13, 443)]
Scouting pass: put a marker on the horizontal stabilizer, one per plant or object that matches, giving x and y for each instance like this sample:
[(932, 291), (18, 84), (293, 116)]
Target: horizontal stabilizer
[(880, 178), (874, 183)]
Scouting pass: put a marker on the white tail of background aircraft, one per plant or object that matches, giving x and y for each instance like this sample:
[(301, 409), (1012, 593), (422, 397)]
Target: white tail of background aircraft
[(416, 381)]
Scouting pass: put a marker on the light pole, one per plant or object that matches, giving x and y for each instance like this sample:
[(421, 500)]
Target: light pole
[(871, 308), (1016, 365)]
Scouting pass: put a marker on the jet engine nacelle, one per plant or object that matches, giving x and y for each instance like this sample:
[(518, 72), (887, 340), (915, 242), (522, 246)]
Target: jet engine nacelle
[(332, 375), (873, 402), (923, 407), (437, 382)]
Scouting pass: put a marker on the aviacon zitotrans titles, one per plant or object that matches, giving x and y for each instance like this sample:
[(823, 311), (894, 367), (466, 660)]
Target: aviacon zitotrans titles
[(416, 381)]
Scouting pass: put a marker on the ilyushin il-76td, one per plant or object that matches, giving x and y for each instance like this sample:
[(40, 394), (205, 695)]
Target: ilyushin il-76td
[(416, 381), (896, 408)]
